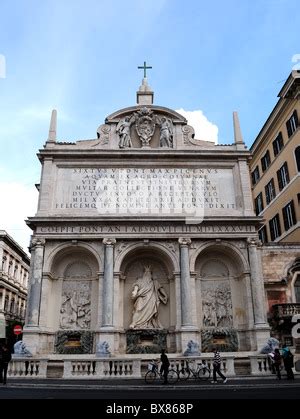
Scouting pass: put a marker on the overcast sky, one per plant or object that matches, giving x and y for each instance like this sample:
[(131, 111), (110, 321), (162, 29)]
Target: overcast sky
[(81, 56)]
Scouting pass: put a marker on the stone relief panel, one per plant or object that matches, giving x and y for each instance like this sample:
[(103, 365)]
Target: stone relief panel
[(75, 312), (145, 125), (120, 247), (188, 134), (216, 303), (104, 135), (166, 132), (216, 295), (124, 131)]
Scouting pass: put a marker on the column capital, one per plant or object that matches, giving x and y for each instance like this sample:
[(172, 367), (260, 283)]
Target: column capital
[(108, 241), (37, 242), (184, 241), (253, 242)]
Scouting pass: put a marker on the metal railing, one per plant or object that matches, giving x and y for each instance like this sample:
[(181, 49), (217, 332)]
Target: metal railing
[(282, 311)]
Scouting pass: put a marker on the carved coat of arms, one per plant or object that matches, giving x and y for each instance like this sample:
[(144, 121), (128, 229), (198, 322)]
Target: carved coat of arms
[(145, 125)]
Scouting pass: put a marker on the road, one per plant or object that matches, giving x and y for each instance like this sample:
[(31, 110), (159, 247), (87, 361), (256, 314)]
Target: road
[(242, 389)]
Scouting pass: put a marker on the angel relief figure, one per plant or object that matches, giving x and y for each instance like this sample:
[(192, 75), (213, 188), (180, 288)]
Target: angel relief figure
[(166, 132), (147, 294), (123, 129)]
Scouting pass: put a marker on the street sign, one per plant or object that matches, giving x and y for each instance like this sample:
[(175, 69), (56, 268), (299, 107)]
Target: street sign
[(18, 330)]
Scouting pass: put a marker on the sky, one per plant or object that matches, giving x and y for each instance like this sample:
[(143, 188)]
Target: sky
[(209, 58)]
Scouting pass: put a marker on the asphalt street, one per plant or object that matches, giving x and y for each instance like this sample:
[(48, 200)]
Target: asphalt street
[(245, 388)]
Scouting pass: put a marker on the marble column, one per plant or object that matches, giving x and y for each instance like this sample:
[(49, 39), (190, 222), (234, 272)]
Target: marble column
[(257, 286), (35, 287), (185, 289), (108, 283)]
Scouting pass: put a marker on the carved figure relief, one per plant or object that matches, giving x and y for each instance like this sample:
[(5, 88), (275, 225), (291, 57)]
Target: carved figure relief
[(103, 134), (166, 132), (20, 349), (216, 304), (75, 312), (145, 125), (123, 129), (102, 349), (188, 134), (147, 294)]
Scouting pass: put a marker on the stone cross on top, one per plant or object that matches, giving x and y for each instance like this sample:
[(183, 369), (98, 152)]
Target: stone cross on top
[(145, 68)]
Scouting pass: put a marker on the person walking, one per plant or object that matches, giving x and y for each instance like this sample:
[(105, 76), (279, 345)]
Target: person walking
[(164, 369), (217, 367), (5, 358)]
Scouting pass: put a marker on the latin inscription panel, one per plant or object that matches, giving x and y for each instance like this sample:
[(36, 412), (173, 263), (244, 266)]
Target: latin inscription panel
[(137, 191)]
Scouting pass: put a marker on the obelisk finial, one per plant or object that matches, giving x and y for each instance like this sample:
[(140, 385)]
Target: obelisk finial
[(238, 138), (53, 126)]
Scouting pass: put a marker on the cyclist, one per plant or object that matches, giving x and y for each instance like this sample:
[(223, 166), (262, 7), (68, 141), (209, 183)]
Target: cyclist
[(164, 369)]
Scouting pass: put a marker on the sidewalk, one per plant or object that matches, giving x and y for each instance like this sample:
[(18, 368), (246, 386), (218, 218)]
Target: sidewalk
[(134, 384)]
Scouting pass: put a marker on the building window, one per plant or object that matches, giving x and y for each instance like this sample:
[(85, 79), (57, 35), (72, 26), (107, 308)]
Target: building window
[(9, 268), (283, 176), (297, 289), (278, 144), (265, 161), (275, 230), (263, 236), (255, 176), (289, 216), (292, 124), (259, 204), (270, 191), (297, 156)]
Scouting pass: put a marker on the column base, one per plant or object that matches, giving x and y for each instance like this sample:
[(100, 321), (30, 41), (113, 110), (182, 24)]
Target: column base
[(188, 333), (37, 341), (109, 335), (262, 334)]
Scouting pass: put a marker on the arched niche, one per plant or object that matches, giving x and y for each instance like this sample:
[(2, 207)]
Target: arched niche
[(162, 269), (73, 289), (78, 260), (222, 296)]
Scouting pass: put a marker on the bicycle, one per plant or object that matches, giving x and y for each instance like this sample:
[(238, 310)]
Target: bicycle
[(195, 370), (154, 373)]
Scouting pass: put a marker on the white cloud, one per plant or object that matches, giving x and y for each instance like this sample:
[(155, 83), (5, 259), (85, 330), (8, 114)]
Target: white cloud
[(204, 129), (18, 202)]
